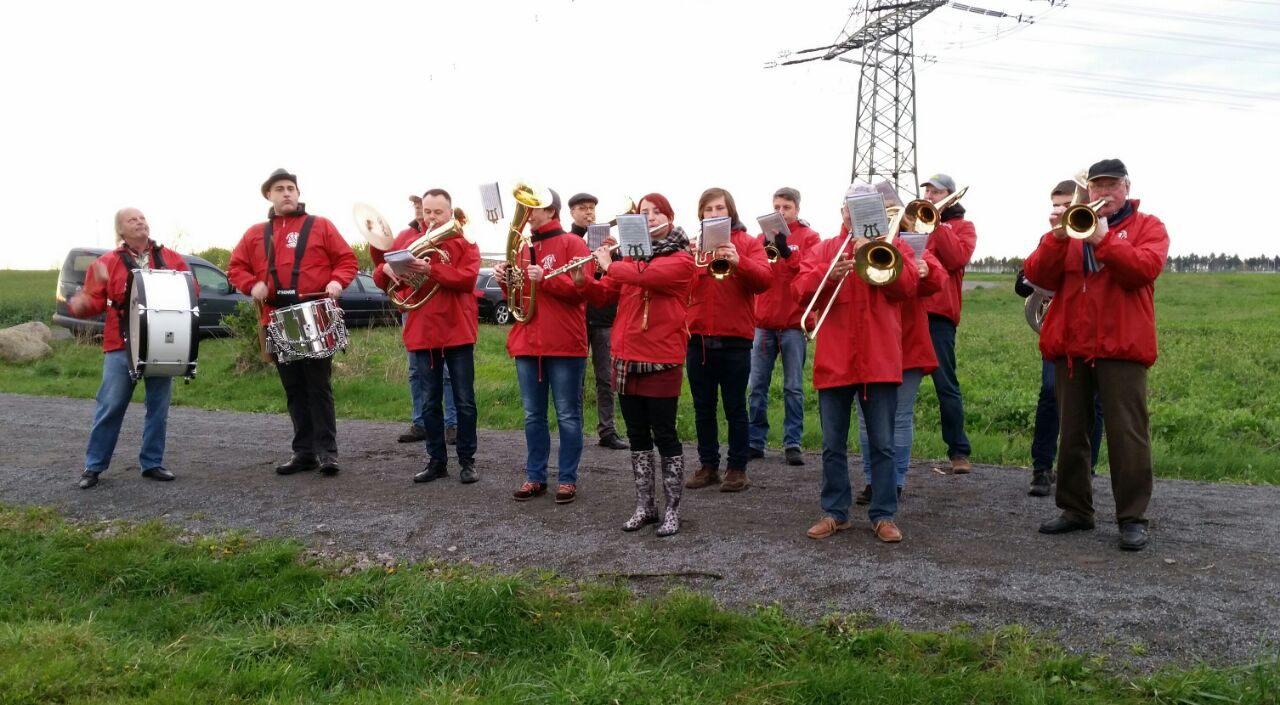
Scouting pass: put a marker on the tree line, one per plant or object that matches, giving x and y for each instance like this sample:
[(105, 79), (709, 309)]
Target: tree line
[(1213, 262)]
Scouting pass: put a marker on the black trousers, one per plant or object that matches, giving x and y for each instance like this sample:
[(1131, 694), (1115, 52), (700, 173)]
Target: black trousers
[(651, 421), (310, 395)]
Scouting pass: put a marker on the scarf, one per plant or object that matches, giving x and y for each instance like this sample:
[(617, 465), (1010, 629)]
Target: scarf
[(1090, 259)]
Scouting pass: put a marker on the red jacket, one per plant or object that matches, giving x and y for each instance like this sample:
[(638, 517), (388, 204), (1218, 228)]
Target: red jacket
[(917, 344), (1109, 314), (328, 258), (450, 317), (776, 308), (861, 340), (112, 297), (559, 323), (952, 243), (652, 299), (726, 307)]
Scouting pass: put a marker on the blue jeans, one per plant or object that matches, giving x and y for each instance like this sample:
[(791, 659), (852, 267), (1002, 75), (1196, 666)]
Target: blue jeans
[(947, 385), (719, 371), (113, 401), (879, 404), (769, 344), (415, 391), (1044, 444), (434, 369), (903, 427), (562, 378)]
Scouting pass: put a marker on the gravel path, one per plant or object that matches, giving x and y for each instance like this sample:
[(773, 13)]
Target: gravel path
[(1207, 589)]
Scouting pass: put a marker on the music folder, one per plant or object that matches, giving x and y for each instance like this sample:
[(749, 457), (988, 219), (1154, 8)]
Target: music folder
[(399, 259), (633, 234), (715, 232), (867, 216), (596, 234), (491, 199), (917, 241), (772, 225)]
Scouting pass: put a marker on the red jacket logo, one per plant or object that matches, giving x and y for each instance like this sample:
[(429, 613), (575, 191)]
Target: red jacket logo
[(549, 262), (291, 240), (1123, 234)]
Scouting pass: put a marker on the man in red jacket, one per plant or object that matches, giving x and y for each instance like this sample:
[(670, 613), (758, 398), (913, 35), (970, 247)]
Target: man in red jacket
[(952, 243), (550, 349), (857, 360), (778, 333), (105, 287), (1101, 334), (441, 335), (292, 257)]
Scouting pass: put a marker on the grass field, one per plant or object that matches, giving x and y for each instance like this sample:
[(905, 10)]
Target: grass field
[(110, 614), (1213, 414)]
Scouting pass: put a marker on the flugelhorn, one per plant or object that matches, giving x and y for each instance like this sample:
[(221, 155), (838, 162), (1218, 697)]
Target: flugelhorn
[(519, 285)]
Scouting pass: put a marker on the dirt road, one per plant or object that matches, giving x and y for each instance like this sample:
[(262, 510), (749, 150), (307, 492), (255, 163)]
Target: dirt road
[(1208, 587)]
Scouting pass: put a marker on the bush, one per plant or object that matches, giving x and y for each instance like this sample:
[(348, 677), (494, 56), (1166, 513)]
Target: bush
[(247, 331), (219, 257)]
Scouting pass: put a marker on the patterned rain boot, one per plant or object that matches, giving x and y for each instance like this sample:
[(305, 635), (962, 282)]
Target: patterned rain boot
[(642, 471), (673, 484)]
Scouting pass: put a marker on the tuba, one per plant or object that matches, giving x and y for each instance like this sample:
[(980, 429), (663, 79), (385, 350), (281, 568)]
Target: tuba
[(1036, 307), (519, 286)]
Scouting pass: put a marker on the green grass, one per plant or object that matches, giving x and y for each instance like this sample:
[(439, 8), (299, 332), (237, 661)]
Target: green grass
[(26, 296), (1213, 416), (111, 614)]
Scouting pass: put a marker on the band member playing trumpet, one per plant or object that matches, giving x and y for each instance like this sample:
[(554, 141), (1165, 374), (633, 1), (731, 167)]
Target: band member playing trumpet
[(106, 287), (550, 348), (952, 243), (291, 257), (858, 359), (1044, 439), (441, 334), (778, 333), (1101, 334), (722, 324), (649, 348), (582, 207)]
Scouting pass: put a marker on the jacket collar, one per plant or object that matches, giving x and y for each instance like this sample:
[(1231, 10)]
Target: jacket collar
[(547, 231)]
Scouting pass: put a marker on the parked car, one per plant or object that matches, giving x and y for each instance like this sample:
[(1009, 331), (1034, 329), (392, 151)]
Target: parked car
[(491, 299), (363, 303)]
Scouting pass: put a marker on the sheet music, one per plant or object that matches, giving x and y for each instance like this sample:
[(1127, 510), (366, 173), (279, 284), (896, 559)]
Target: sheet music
[(772, 225), (491, 199), (596, 235), (399, 259), (890, 194), (715, 232), (917, 241), (633, 233), (867, 215)]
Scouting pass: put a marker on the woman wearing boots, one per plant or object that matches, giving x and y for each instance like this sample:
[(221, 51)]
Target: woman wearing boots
[(648, 343)]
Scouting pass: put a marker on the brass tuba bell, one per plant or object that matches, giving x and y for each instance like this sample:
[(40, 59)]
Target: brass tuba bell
[(519, 285)]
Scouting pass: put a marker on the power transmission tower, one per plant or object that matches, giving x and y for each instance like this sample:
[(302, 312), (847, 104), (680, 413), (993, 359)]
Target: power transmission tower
[(884, 141)]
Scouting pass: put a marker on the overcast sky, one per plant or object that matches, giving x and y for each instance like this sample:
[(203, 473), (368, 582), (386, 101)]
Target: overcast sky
[(182, 109)]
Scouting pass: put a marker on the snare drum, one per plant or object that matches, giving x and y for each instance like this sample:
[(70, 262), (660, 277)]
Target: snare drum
[(164, 324), (311, 330)]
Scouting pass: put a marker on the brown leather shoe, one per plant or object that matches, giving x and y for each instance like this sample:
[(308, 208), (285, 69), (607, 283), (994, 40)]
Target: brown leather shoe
[(735, 481), (826, 528), (706, 475), (566, 494), (887, 531), (960, 465)]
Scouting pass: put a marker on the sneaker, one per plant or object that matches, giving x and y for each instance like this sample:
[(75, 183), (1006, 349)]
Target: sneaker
[(529, 490), (735, 481), (1041, 483), (706, 475), (566, 494), (451, 435), (415, 433), (887, 531), (794, 456), (863, 497), (960, 465), (755, 453)]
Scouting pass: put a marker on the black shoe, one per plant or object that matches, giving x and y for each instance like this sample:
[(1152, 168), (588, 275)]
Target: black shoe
[(794, 457), (298, 463), (1133, 536), (612, 442), (329, 466), (1065, 524), (87, 479), (863, 497), (755, 453), (434, 471), (467, 474), (415, 433), (451, 435), (157, 473), (1041, 483)]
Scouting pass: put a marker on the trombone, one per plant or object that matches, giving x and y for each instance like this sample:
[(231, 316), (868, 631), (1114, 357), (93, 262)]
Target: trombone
[(877, 263), (923, 216)]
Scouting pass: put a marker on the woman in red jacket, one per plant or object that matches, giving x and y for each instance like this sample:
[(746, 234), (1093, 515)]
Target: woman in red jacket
[(722, 325), (648, 344), (550, 349), (857, 359)]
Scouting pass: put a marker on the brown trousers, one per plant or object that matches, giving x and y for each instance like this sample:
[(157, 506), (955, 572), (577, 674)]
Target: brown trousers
[(1121, 385)]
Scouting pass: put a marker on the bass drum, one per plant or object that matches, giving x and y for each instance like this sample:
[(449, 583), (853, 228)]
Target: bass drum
[(164, 324)]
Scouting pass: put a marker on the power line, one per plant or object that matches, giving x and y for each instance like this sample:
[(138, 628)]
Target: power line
[(1207, 57), (1198, 17), (1167, 36)]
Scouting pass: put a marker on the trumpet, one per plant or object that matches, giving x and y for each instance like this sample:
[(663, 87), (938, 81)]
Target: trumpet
[(718, 267), (518, 283), (877, 263)]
